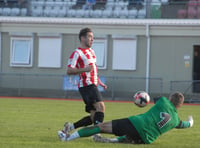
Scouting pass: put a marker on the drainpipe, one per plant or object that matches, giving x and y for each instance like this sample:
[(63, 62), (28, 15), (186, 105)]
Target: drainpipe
[(0, 52), (147, 58)]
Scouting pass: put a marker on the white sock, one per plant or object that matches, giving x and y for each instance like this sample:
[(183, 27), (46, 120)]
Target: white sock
[(73, 136), (114, 140)]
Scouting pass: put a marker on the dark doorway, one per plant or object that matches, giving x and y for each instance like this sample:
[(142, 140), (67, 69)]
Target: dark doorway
[(196, 69)]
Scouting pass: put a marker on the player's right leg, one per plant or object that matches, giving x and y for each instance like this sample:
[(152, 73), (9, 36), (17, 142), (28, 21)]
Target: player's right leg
[(99, 114), (121, 139), (93, 103), (117, 127)]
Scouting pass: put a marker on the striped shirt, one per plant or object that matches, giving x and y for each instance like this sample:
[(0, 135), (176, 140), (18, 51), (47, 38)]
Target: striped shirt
[(81, 58)]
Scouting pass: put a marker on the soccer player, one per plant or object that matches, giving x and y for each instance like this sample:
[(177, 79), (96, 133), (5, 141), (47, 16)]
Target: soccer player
[(83, 62), (140, 129)]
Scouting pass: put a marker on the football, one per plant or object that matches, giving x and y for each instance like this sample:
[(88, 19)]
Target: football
[(141, 98)]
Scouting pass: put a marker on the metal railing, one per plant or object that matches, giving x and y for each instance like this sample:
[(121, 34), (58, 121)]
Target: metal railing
[(54, 85), (190, 89)]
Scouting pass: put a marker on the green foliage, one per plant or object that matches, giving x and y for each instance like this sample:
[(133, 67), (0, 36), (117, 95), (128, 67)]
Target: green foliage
[(27, 123)]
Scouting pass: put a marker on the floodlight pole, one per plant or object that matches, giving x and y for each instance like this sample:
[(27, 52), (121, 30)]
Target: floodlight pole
[(147, 58)]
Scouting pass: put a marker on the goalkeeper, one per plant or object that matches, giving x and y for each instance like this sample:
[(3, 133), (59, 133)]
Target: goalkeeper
[(140, 129)]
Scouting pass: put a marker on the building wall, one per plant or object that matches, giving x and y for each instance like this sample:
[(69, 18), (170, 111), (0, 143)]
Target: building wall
[(169, 46), (168, 58)]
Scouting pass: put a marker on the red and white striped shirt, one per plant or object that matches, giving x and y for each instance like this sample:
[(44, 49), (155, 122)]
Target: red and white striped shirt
[(81, 58)]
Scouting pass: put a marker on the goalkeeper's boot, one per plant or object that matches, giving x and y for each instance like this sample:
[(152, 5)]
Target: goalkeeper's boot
[(62, 136)]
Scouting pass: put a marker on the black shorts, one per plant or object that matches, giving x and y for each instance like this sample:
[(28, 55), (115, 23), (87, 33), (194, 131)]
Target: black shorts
[(90, 95), (123, 127)]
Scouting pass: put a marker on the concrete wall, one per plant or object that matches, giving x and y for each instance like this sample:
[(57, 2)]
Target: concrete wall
[(167, 58)]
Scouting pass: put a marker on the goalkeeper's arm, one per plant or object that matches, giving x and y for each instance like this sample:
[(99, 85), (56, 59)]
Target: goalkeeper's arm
[(186, 124)]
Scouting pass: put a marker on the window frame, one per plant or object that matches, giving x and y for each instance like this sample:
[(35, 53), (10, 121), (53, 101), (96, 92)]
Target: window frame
[(103, 41), (58, 63), (13, 50), (132, 67)]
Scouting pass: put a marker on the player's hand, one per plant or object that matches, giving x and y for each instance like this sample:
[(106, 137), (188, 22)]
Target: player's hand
[(190, 120), (105, 86)]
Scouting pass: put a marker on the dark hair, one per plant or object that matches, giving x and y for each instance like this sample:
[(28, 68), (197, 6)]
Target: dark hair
[(84, 32)]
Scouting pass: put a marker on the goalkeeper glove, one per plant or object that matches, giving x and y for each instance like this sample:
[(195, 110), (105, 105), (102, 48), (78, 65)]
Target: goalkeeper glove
[(190, 120)]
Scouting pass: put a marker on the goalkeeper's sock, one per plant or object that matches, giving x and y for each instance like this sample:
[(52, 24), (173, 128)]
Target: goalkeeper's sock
[(84, 132), (89, 131), (121, 138), (98, 117), (85, 121), (73, 136)]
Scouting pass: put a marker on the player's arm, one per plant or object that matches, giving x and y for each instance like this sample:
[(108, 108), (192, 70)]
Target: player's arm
[(186, 124), (102, 84), (74, 71), (72, 65)]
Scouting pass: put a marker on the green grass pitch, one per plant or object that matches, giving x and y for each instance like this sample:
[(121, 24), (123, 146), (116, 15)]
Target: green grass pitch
[(31, 123)]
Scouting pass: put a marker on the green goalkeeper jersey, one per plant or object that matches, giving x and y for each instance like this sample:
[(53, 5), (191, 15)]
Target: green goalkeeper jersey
[(161, 118)]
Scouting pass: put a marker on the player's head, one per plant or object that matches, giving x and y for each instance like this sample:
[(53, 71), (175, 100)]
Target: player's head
[(177, 99), (86, 37)]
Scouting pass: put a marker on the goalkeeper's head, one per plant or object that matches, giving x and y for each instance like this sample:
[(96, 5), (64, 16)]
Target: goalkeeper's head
[(176, 99)]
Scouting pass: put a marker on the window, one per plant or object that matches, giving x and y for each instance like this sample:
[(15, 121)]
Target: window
[(124, 53), (49, 52), (21, 51), (100, 48)]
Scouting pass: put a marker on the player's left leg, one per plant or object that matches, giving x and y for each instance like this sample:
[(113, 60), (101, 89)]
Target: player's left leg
[(87, 131), (89, 108), (85, 121)]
